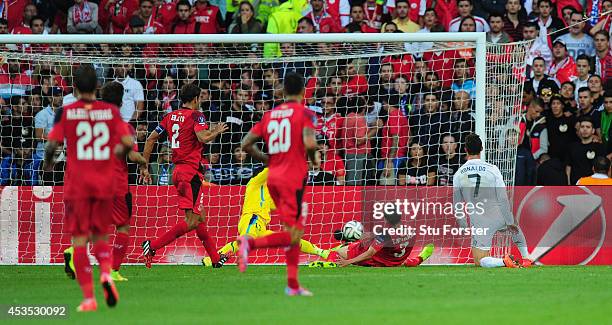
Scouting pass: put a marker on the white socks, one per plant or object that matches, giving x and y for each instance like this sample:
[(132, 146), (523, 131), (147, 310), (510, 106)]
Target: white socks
[(491, 262)]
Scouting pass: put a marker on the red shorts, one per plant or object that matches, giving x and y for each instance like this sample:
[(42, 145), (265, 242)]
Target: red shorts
[(122, 209), (88, 216), (188, 183), (288, 201)]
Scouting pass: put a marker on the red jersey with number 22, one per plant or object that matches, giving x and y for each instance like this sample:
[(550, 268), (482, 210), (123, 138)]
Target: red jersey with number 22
[(282, 130), (91, 130), (182, 126)]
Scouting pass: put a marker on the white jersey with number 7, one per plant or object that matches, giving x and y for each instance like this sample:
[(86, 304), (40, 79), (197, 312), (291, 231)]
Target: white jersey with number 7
[(482, 184)]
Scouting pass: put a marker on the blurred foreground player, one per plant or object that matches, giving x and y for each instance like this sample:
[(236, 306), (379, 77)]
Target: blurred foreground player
[(187, 132), (255, 217), (93, 132), (289, 133), (381, 250), (112, 92), (480, 183)]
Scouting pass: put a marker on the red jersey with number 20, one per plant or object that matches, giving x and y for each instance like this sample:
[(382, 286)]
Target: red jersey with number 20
[(91, 130), (182, 126), (282, 130)]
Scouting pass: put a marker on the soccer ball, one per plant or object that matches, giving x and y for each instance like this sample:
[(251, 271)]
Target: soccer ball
[(352, 231)]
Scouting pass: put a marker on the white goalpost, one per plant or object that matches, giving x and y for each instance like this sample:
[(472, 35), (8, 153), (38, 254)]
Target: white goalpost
[(444, 86)]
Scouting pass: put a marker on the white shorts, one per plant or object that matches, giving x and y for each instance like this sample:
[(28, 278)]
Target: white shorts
[(491, 225)]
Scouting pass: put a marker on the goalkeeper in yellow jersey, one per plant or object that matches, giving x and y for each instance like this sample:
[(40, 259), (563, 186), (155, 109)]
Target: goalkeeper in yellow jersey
[(255, 218)]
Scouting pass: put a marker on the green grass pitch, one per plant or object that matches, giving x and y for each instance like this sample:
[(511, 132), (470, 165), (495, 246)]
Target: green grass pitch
[(428, 294)]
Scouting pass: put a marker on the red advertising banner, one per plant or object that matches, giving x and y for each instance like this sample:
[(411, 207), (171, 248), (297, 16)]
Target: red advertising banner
[(562, 225)]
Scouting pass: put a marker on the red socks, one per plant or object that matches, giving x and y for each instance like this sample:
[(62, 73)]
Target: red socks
[(277, 239), (102, 252), (207, 241), (292, 256), (413, 261), (119, 249), (83, 271), (175, 232)]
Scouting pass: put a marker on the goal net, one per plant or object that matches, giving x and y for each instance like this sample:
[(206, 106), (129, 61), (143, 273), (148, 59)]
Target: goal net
[(392, 117)]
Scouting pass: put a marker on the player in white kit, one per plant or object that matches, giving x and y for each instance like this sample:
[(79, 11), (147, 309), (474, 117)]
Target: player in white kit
[(481, 184)]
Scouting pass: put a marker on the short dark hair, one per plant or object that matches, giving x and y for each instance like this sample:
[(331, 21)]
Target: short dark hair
[(583, 89), (495, 14), (293, 84), (586, 119), (306, 19), (470, 1), (188, 93), (85, 78), (473, 144), (398, 1), (568, 83), (36, 18), (539, 58), (601, 165), (112, 92), (603, 33), (431, 9), (547, 1), (183, 3), (433, 93), (583, 57), (531, 24), (537, 102)]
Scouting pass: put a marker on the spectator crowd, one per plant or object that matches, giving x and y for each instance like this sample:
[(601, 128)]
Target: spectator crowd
[(386, 119)]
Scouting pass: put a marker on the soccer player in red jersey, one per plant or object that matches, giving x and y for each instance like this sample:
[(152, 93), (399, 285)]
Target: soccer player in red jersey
[(92, 130), (187, 132), (381, 250), (112, 92), (289, 133)]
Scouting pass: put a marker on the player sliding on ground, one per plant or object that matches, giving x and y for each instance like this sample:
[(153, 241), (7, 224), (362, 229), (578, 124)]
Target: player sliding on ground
[(93, 132), (112, 92), (379, 250), (288, 131), (255, 217), (481, 183), (188, 132)]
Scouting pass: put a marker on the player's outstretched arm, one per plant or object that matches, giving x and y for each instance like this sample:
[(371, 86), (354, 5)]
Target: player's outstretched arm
[(310, 144), (249, 144), (206, 136), (359, 258)]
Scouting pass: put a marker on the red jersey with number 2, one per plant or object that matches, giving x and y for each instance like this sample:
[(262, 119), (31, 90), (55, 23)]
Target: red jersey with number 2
[(282, 130), (91, 131), (182, 126)]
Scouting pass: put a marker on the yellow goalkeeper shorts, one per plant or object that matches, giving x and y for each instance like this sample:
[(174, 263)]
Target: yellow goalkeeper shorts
[(252, 225)]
